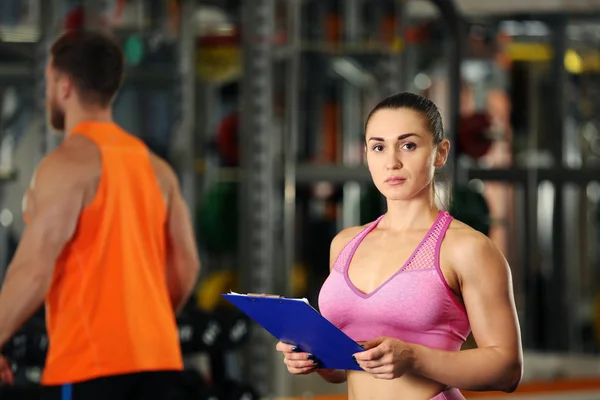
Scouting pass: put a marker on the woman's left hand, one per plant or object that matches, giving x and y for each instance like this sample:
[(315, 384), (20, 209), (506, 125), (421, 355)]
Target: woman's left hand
[(386, 358)]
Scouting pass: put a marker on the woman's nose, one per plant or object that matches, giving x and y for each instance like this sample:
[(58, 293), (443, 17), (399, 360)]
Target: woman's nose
[(393, 160)]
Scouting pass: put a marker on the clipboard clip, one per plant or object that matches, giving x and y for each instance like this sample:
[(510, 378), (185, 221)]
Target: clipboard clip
[(271, 296)]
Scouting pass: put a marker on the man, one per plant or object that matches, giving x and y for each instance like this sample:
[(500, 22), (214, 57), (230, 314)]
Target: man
[(109, 244)]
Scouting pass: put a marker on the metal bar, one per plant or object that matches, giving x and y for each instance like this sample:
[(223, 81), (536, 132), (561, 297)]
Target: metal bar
[(531, 266), (21, 72), (282, 379), (396, 62), (556, 295), (12, 72), (452, 19), (351, 120), (48, 22), (308, 173), (331, 173), (185, 140), (555, 175), (291, 140), (256, 200)]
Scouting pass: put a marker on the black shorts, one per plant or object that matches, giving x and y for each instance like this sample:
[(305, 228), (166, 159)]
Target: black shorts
[(157, 385)]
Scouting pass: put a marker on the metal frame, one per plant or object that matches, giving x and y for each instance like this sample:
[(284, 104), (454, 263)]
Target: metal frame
[(452, 19), (257, 191), (186, 52), (351, 119), (547, 253), (49, 11)]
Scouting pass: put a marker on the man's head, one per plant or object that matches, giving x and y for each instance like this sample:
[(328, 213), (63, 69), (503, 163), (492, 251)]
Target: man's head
[(85, 70)]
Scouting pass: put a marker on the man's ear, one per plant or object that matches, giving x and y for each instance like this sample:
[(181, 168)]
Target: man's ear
[(443, 149), (65, 87)]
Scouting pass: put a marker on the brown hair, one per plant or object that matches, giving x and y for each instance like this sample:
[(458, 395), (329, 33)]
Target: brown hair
[(94, 61)]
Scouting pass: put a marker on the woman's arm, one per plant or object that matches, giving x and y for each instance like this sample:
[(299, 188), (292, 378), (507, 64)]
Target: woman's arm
[(487, 291), (497, 363)]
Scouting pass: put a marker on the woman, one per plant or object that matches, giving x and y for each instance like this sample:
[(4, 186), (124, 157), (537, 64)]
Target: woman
[(412, 318)]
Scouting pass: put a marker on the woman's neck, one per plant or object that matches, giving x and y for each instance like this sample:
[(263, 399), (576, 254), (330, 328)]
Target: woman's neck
[(418, 212)]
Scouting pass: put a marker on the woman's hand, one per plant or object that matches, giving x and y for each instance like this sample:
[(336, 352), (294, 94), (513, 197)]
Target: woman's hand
[(297, 362), (386, 358)]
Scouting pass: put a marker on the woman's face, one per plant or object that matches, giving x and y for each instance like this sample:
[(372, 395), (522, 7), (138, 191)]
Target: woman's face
[(401, 154)]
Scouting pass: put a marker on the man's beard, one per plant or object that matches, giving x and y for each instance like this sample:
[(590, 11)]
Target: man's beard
[(57, 118)]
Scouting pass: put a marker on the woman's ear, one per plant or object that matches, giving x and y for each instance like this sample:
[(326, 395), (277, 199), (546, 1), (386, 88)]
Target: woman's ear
[(443, 149)]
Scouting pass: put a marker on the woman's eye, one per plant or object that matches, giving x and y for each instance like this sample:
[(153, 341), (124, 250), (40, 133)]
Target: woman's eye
[(409, 146), (378, 147)]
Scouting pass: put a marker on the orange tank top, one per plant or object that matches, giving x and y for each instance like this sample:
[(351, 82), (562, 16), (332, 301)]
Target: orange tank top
[(108, 310)]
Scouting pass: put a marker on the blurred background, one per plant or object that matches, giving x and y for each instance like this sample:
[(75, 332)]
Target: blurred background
[(259, 105)]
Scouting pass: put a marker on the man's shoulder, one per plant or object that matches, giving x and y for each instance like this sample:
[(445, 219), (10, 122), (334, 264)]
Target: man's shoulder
[(73, 161)]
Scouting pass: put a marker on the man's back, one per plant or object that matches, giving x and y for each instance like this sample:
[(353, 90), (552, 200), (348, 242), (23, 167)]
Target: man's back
[(109, 309)]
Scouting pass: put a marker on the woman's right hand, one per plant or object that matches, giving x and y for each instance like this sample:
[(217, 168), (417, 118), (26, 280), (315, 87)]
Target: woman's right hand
[(297, 362)]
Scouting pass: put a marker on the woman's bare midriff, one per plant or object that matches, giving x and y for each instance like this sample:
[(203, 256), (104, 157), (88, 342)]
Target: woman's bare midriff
[(363, 386)]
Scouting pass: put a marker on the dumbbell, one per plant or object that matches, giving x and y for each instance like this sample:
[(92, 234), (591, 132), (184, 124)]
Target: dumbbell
[(236, 327), (199, 331), (37, 347), (210, 331), (16, 348), (187, 333)]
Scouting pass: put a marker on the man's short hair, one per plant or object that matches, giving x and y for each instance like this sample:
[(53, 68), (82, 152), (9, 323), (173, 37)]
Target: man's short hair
[(94, 61)]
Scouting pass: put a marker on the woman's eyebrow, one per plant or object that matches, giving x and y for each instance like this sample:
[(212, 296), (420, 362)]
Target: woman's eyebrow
[(401, 137)]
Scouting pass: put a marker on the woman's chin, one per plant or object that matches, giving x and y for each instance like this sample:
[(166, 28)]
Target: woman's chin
[(396, 197)]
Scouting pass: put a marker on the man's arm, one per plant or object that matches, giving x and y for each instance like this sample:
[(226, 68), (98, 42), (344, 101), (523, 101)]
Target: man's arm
[(183, 262), (488, 295), (54, 203)]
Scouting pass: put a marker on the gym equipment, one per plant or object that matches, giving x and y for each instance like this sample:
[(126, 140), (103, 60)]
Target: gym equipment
[(208, 292), (228, 140), (217, 218), (105, 14), (299, 278), (235, 325), (187, 333), (16, 348), (199, 332), (470, 207), (28, 347), (219, 56), (473, 138), (133, 47)]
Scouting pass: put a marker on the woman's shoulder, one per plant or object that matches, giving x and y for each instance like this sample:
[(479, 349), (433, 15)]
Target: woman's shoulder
[(345, 236), (463, 243)]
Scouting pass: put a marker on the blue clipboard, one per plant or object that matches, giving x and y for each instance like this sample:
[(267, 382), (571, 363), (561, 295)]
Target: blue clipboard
[(295, 322)]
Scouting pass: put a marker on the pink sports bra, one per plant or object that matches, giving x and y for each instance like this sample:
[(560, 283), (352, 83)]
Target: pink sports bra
[(415, 305)]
